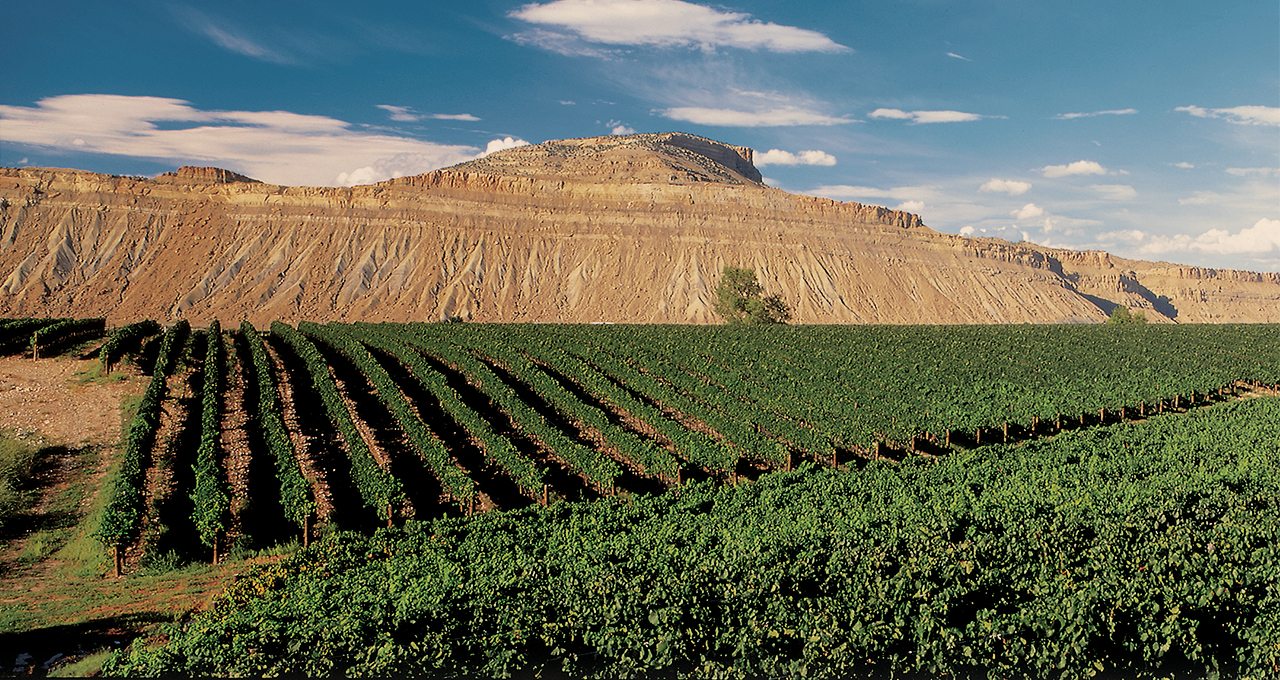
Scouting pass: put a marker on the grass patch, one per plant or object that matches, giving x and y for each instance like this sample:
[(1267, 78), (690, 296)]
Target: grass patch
[(95, 376), (17, 467), (84, 667)]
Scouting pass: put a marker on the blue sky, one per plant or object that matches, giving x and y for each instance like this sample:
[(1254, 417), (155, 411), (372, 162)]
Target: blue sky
[(1148, 129)]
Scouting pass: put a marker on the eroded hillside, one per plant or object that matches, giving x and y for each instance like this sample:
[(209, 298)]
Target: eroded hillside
[(617, 229)]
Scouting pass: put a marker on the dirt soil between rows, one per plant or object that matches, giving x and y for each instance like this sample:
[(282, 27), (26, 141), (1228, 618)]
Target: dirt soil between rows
[(50, 399)]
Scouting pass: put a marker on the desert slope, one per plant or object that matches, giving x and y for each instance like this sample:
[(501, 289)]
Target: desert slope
[(622, 229)]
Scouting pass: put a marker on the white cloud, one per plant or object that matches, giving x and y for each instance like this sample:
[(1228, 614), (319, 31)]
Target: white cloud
[(1240, 115), (780, 157), (1254, 172), (1095, 114), (568, 102), (1012, 187), (617, 127), (910, 206), (862, 193), (274, 146), (1028, 212), (765, 117), (1074, 168), (503, 144), (1260, 240), (400, 114), (927, 117), (1115, 192), (967, 230), (1183, 165), (1201, 198), (406, 114), (961, 57), (658, 23), (24, 160), (454, 116)]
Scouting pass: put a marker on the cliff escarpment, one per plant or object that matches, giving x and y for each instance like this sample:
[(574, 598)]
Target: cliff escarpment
[(610, 229)]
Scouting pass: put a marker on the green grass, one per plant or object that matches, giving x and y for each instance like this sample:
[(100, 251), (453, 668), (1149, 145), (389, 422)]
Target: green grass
[(84, 667), (17, 464)]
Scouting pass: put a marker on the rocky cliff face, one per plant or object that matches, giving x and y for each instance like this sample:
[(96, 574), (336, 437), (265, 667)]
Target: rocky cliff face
[(622, 229)]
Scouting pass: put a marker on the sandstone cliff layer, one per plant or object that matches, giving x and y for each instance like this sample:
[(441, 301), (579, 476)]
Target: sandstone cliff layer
[(614, 229)]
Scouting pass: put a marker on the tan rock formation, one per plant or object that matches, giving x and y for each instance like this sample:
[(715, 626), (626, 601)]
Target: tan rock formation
[(622, 229)]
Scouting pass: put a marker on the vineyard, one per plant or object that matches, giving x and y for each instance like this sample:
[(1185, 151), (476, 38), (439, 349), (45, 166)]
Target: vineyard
[(776, 501), (249, 438)]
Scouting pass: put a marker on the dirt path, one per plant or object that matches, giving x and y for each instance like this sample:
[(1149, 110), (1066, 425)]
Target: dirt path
[(307, 457), (235, 442), (47, 397)]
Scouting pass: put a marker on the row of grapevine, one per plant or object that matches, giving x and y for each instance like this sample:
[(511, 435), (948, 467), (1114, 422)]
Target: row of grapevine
[(696, 447), (595, 467), (123, 515), (717, 405), (15, 334), (211, 496), (650, 458), (423, 442), (523, 471), (121, 338), (295, 493), (65, 331), (378, 488)]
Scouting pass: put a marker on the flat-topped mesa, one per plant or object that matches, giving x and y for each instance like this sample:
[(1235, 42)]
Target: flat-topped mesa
[(655, 158), (192, 174)]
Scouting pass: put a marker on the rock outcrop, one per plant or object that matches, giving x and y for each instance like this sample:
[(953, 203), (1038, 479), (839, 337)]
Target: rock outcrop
[(614, 229)]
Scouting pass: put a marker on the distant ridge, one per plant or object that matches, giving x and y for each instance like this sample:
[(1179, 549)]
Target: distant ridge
[(622, 228)]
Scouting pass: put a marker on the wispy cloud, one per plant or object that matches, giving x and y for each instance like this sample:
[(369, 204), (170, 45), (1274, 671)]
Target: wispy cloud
[(1073, 169), (1095, 114), (927, 117), (781, 116), (1240, 115), (781, 157), (1115, 192), (1254, 172), (230, 37), (1183, 165), (275, 146), (406, 114), (1012, 187), (961, 57), (570, 27)]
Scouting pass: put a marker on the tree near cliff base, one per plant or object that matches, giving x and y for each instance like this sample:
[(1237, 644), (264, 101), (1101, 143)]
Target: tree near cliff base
[(740, 300), (1122, 316)]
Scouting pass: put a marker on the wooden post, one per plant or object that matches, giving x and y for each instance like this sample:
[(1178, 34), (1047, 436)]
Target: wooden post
[(1035, 423), (471, 505), (679, 476), (115, 561), (1081, 420), (1102, 416), (1006, 432), (1057, 423), (835, 462), (1142, 409), (788, 461), (1177, 399), (546, 494), (306, 531), (977, 436), (215, 550), (389, 514), (948, 439)]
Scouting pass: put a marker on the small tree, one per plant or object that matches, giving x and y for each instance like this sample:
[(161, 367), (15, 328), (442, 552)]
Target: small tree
[(741, 300), (1122, 316)]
